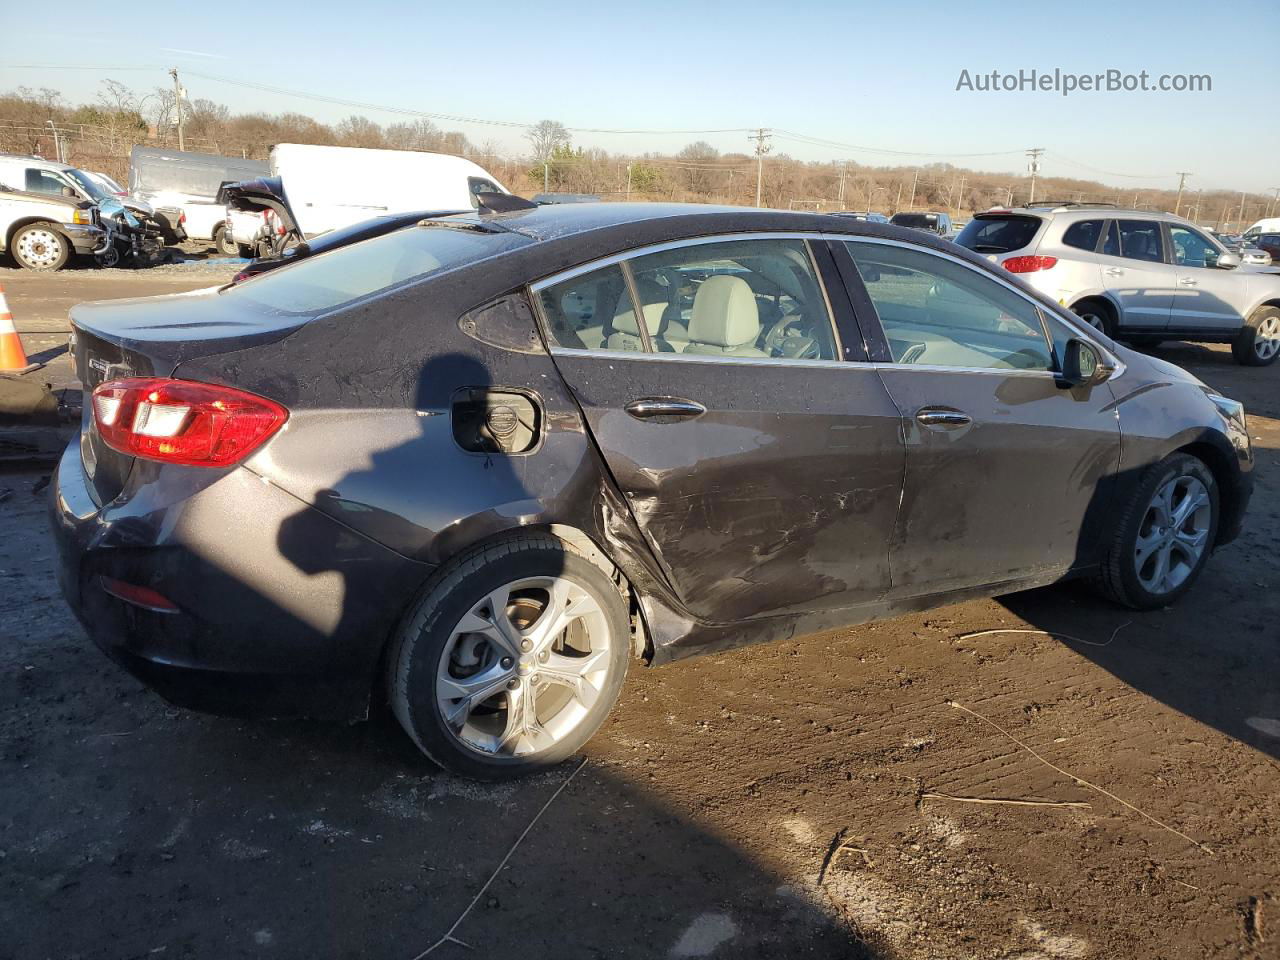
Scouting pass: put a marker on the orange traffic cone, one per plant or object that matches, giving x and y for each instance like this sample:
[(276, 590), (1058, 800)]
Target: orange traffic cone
[(13, 359)]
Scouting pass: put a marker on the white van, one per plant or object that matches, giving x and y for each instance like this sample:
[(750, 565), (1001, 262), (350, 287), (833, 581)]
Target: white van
[(332, 187), (1267, 225)]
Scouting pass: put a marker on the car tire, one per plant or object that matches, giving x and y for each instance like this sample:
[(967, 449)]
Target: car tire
[(1150, 532), (1097, 315), (482, 733), (1258, 342), (223, 243), (40, 246), (244, 250)]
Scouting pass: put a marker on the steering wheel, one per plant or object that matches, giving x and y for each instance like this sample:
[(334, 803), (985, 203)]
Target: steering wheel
[(783, 341)]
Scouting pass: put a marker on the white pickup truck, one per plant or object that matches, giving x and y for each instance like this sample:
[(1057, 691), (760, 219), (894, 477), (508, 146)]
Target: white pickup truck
[(41, 231)]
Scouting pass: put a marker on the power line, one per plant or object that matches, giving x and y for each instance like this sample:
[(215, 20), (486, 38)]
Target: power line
[(823, 142)]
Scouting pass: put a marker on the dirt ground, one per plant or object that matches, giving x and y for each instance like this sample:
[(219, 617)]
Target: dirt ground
[(779, 801)]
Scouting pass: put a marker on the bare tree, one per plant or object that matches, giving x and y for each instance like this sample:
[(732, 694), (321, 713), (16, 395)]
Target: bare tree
[(695, 159), (546, 136), (357, 131)]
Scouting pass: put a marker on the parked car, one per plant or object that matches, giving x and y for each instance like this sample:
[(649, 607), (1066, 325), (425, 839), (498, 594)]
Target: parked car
[(332, 187), (1270, 243), (42, 231), (868, 216), (1247, 250), (189, 182), (482, 464), (1136, 275), (939, 223)]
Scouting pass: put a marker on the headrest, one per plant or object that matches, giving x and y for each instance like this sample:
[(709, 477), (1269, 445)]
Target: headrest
[(653, 299), (724, 313)]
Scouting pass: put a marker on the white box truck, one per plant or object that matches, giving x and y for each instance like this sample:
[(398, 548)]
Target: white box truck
[(331, 187)]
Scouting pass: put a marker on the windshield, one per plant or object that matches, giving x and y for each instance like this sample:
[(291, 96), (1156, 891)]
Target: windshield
[(998, 234), (331, 279), (87, 184)]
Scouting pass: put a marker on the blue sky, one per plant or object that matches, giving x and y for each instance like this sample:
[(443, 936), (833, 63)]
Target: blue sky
[(871, 74)]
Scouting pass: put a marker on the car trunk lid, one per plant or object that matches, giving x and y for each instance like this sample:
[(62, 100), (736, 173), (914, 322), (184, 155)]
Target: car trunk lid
[(149, 338)]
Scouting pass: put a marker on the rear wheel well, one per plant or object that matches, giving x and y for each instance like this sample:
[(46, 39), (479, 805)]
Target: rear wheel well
[(574, 540), (26, 222), (1105, 306), (1219, 464)]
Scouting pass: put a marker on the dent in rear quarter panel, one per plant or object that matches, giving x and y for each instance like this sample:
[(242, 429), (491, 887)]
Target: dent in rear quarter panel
[(369, 440)]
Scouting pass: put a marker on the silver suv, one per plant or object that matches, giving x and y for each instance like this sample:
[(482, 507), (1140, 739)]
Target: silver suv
[(1136, 275)]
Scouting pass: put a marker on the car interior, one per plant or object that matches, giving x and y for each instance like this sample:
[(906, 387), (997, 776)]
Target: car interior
[(737, 299), (943, 314)]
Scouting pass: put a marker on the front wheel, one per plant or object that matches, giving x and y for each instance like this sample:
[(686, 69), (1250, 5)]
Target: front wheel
[(512, 660), (1165, 535), (38, 246), (1258, 343)]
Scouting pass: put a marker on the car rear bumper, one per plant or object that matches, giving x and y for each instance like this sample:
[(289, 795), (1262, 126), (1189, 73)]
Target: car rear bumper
[(281, 609)]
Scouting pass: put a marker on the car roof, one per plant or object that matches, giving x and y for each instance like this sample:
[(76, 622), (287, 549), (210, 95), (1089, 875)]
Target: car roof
[(559, 220), (1081, 212)]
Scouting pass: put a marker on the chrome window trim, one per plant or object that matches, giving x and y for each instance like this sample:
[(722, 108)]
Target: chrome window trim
[(1073, 322), (806, 236)]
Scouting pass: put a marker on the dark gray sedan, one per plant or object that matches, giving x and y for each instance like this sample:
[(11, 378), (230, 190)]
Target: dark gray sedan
[(481, 464)]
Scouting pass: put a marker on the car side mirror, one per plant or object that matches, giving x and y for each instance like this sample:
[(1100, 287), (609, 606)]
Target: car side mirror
[(1227, 261), (68, 192), (1082, 365)]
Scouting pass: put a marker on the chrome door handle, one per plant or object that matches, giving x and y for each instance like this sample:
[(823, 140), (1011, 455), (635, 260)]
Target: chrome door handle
[(665, 408), (937, 417), (1188, 282), (1114, 272)]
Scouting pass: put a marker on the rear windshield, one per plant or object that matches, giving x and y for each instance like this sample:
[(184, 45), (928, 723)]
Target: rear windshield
[(998, 234), (331, 279), (916, 220)]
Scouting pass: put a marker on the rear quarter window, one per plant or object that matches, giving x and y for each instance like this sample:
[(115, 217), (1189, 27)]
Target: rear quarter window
[(329, 280), (999, 234), (1083, 235)]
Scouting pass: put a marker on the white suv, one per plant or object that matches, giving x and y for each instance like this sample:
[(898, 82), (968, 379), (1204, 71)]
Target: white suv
[(1136, 275)]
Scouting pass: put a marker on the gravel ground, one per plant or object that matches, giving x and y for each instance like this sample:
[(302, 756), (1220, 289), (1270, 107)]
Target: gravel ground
[(775, 802)]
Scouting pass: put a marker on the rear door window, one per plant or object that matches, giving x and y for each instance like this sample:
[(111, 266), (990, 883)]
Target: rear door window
[(592, 312), (1083, 235), (999, 234), (1140, 240)]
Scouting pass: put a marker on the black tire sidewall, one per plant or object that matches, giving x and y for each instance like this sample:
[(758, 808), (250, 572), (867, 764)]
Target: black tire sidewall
[(222, 242), (420, 653), (1176, 466), (1108, 325), (1242, 346)]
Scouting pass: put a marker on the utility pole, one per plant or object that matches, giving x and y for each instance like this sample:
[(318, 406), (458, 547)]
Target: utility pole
[(1182, 180), (1196, 216), (1033, 167), (897, 204), (960, 197), (915, 177), (1221, 216), (841, 197), (1271, 203), (57, 144), (1241, 230), (178, 96), (762, 147), (628, 181)]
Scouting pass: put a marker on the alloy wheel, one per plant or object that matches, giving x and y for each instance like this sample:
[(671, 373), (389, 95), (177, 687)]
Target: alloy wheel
[(523, 668), (40, 248), (1173, 536), (1095, 320), (1266, 340)]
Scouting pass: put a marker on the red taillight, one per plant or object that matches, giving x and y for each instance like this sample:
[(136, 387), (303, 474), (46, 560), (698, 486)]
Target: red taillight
[(1028, 264), (139, 596), (181, 421), (182, 217)]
